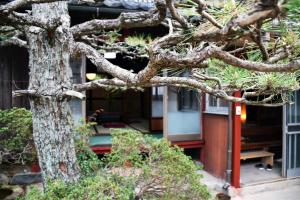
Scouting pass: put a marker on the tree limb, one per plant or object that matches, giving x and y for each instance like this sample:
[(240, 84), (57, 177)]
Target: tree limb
[(35, 93), (125, 20), (14, 41), (14, 5), (176, 82), (201, 11), (176, 15)]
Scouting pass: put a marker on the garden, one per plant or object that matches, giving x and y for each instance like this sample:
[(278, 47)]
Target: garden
[(139, 167)]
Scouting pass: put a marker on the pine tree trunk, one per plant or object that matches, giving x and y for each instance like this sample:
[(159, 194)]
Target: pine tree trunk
[(50, 72)]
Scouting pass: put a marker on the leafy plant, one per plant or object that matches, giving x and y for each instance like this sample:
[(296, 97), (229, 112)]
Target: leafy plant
[(87, 160), (159, 170), (16, 143), (84, 129), (138, 167), (104, 187)]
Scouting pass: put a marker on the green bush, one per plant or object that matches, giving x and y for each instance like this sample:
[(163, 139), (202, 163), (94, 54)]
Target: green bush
[(87, 160), (163, 172), (99, 187), (138, 167), (16, 143)]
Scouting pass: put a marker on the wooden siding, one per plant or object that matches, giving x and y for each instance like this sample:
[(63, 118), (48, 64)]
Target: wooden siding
[(215, 128), (156, 124), (14, 75)]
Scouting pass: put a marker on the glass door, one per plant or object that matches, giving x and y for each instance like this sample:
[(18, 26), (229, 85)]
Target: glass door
[(291, 137)]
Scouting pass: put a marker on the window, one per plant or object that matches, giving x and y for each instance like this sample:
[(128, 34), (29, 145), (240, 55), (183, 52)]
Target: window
[(157, 101), (216, 105), (188, 100), (157, 93)]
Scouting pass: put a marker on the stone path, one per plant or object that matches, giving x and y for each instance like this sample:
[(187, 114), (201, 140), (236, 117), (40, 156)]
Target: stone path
[(285, 189), (291, 193)]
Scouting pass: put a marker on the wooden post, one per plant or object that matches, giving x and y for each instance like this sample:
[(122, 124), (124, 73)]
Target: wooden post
[(236, 123), (203, 102)]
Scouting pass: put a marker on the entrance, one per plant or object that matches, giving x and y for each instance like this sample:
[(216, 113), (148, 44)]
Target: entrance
[(261, 144)]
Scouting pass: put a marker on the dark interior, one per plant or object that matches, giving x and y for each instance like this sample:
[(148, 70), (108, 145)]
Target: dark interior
[(263, 129), (119, 105)]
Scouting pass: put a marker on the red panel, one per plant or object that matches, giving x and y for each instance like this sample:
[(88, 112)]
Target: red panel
[(236, 163), (101, 149), (189, 144), (185, 145), (215, 148)]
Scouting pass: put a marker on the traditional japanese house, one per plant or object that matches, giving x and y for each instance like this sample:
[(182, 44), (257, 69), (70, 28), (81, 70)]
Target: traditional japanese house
[(230, 138)]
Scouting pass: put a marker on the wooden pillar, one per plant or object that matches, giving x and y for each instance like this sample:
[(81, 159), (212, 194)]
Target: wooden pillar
[(236, 129)]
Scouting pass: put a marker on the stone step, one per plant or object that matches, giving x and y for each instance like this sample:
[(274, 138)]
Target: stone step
[(26, 178)]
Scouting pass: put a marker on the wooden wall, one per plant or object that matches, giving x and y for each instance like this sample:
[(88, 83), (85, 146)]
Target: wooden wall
[(156, 124), (14, 75), (215, 128)]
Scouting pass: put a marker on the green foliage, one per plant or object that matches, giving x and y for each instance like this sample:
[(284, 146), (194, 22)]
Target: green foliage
[(289, 21), (104, 187), (87, 160), (16, 134), (138, 168), (244, 79), (84, 129), (293, 9), (226, 10), (138, 40), (113, 36), (161, 167)]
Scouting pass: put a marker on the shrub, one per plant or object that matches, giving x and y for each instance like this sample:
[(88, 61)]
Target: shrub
[(87, 160), (16, 143), (138, 168), (163, 172), (99, 187)]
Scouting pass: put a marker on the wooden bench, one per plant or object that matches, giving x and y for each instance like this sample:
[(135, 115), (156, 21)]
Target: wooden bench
[(267, 157)]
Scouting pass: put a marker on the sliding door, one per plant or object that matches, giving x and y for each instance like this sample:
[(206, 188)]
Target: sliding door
[(182, 114)]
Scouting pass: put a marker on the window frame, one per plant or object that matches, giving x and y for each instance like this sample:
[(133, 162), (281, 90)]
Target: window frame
[(157, 93), (193, 101), (221, 110)]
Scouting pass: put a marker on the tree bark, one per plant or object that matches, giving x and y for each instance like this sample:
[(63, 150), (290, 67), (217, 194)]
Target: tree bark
[(50, 73)]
